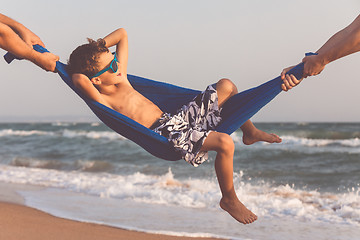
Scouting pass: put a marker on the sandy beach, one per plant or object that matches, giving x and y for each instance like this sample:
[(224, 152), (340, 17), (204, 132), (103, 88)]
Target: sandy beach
[(18, 221)]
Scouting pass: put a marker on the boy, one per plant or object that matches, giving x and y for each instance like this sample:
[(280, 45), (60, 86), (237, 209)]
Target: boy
[(102, 77)]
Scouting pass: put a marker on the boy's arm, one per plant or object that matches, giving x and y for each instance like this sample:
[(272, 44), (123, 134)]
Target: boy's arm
[(84, 84), (120, 39)]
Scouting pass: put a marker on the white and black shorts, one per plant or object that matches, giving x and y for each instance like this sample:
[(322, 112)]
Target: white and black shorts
[(189, 127)]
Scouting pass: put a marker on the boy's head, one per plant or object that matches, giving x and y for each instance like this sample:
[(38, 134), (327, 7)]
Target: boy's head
[(84, 59)]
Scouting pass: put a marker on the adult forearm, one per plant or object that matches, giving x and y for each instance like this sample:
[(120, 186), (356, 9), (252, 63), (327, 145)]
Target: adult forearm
[(343, 43), (11, 42), (14, 25)]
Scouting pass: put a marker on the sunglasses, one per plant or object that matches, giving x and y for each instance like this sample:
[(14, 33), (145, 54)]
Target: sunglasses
[(113, 66)]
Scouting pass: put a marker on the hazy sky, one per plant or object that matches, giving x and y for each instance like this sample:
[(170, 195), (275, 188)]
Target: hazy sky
[(191, 44)]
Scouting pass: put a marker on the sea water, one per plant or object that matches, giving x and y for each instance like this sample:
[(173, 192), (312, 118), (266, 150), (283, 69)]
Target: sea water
[(307, 187)]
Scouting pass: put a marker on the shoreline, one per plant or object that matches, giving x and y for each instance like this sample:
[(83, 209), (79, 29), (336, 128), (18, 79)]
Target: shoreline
[(19, 221)]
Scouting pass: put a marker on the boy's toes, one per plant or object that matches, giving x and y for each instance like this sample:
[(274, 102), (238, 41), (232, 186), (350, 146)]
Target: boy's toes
[(276, 138)]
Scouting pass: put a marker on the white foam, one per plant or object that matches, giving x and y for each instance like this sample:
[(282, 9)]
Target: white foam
[(291, 140), (348, 146), (63, 133), (306, 142), (63, 124), (92, 134), (10, 132)]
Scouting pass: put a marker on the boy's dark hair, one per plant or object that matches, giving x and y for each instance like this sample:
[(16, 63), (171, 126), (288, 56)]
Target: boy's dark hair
[(84, 58)]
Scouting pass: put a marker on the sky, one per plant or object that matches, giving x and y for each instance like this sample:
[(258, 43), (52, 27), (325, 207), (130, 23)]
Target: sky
[(190, 43)]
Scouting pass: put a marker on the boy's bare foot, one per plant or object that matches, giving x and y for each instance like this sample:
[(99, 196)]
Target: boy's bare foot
[(238, 211), (258, 135)]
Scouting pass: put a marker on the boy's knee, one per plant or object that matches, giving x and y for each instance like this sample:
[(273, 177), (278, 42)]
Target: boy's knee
[(226, 85), (226, 143)]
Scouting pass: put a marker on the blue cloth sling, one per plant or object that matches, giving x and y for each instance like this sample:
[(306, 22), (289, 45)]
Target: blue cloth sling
[(169, 98)]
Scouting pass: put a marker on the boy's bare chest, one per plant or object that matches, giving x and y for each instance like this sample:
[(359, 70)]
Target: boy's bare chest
[(135, 106), (128, 101)]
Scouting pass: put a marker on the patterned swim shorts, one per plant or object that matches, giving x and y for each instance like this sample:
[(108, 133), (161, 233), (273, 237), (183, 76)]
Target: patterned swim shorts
[(189, 127)]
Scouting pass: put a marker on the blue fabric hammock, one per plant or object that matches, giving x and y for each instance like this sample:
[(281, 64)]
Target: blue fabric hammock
[(169, 98)]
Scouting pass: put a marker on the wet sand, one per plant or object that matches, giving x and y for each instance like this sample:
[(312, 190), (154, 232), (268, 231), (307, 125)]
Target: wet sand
[(18, 221)]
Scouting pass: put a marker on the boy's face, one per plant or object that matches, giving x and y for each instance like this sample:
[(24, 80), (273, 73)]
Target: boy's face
[(109, 77)]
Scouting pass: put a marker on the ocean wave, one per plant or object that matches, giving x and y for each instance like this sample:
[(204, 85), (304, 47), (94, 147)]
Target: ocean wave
[(92, 134), (306, 141), (22, 133), (78, 165), (304, 144), (291, 140), (34, 163), (62, 133), (262, 198)]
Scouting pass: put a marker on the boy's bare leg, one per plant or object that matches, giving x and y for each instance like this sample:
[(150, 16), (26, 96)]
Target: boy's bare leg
[(226, 89), (224, 146)]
